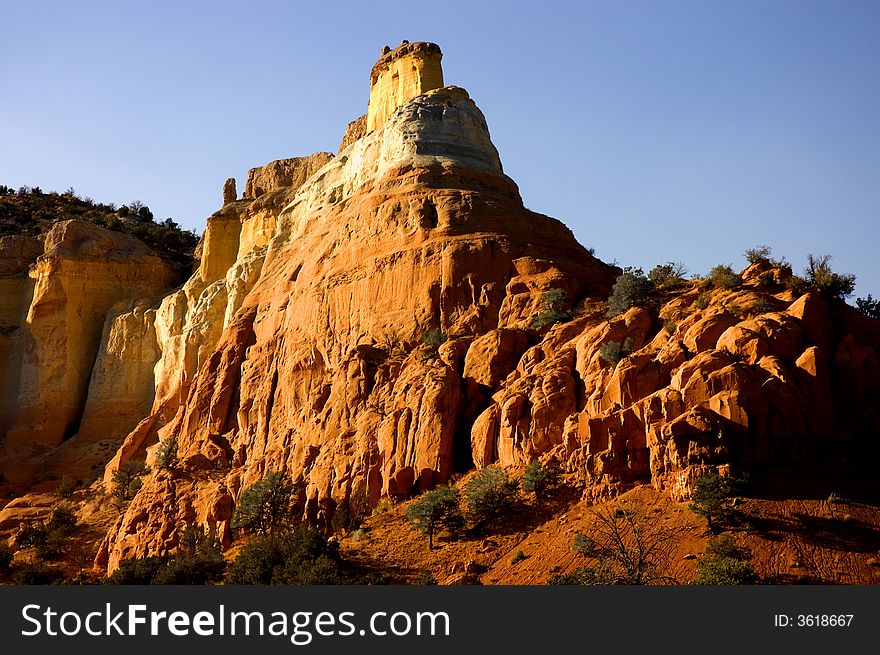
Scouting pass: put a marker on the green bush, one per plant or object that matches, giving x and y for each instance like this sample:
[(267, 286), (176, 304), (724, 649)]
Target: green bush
[(612, 352), (166, 453), (725, 563), (670, 274), (127, 479), (869, 307), (434, 337), (724, 571), (758, 254), (797, 285), (820, 275), (702, 300), (426, 578), (554, 309), (490, 496), (712, 495), (67, 486), (584, 575), (540, 480), (436, 509), (140, 571), (631, 289), (724, 277), (583, 544), (300, 556), (518, 557), (266, 504), (37, 574)]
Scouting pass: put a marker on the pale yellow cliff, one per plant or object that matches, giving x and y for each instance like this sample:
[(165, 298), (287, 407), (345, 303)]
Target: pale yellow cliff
[(401, 75)]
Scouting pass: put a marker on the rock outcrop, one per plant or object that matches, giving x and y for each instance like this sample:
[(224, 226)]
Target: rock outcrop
[(56, 318), (401, 74)]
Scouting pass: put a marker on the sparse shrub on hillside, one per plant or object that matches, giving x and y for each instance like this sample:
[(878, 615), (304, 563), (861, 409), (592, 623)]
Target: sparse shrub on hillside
[(299, 556), (166, 453), (540, 480), (767, 279), (141, 571), (797, 285), (819, 274), (434, 510), (554, 309), (725, 563), (434, 337), (702, 300), (712, 496), (518, 557), (758, 307), (670, 274), (351, 515), (198, 561), (584, 575), (426, 578), (127, 479), (265, 505), (583, 544), (869, 307), (630, 545), (36, 573), (724, 277), (758, 254), (612, 352), (490, 496), (631, 289), (67, 486)]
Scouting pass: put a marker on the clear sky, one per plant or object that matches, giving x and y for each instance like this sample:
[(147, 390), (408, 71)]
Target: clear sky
[(657, 130)]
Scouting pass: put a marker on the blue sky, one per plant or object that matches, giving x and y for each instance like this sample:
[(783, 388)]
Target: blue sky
[(676, 130)]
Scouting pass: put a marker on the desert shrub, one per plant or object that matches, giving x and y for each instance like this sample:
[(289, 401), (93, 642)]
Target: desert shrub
[(6, 555), (819, 274), (583, 544), (767, 279), (612, 352), (758, 307), (540, 480), (67, 486), (166, 453), (518, 557), (127, 479), (712, 495), (205, 568), (37, 574), (758, 254), (702, 300), (31, 535), (266, 504), (490, 496), (140, 571), (584, 575), (724, 277), (62, 521), (869, 307), (670, 274), (436, 509), (630, 546), (300, 556), (631, 289), (554, 309), (352, 514), (434, 337), (725, 563), (797, 285), (724, 571)]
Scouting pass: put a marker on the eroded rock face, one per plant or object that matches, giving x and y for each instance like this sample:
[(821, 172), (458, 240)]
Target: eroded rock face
[(283, 173), (81, 273), (321, 370)]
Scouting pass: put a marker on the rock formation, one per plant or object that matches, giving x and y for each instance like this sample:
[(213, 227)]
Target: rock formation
[(365, 322), (61, 293), (229, 192)]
